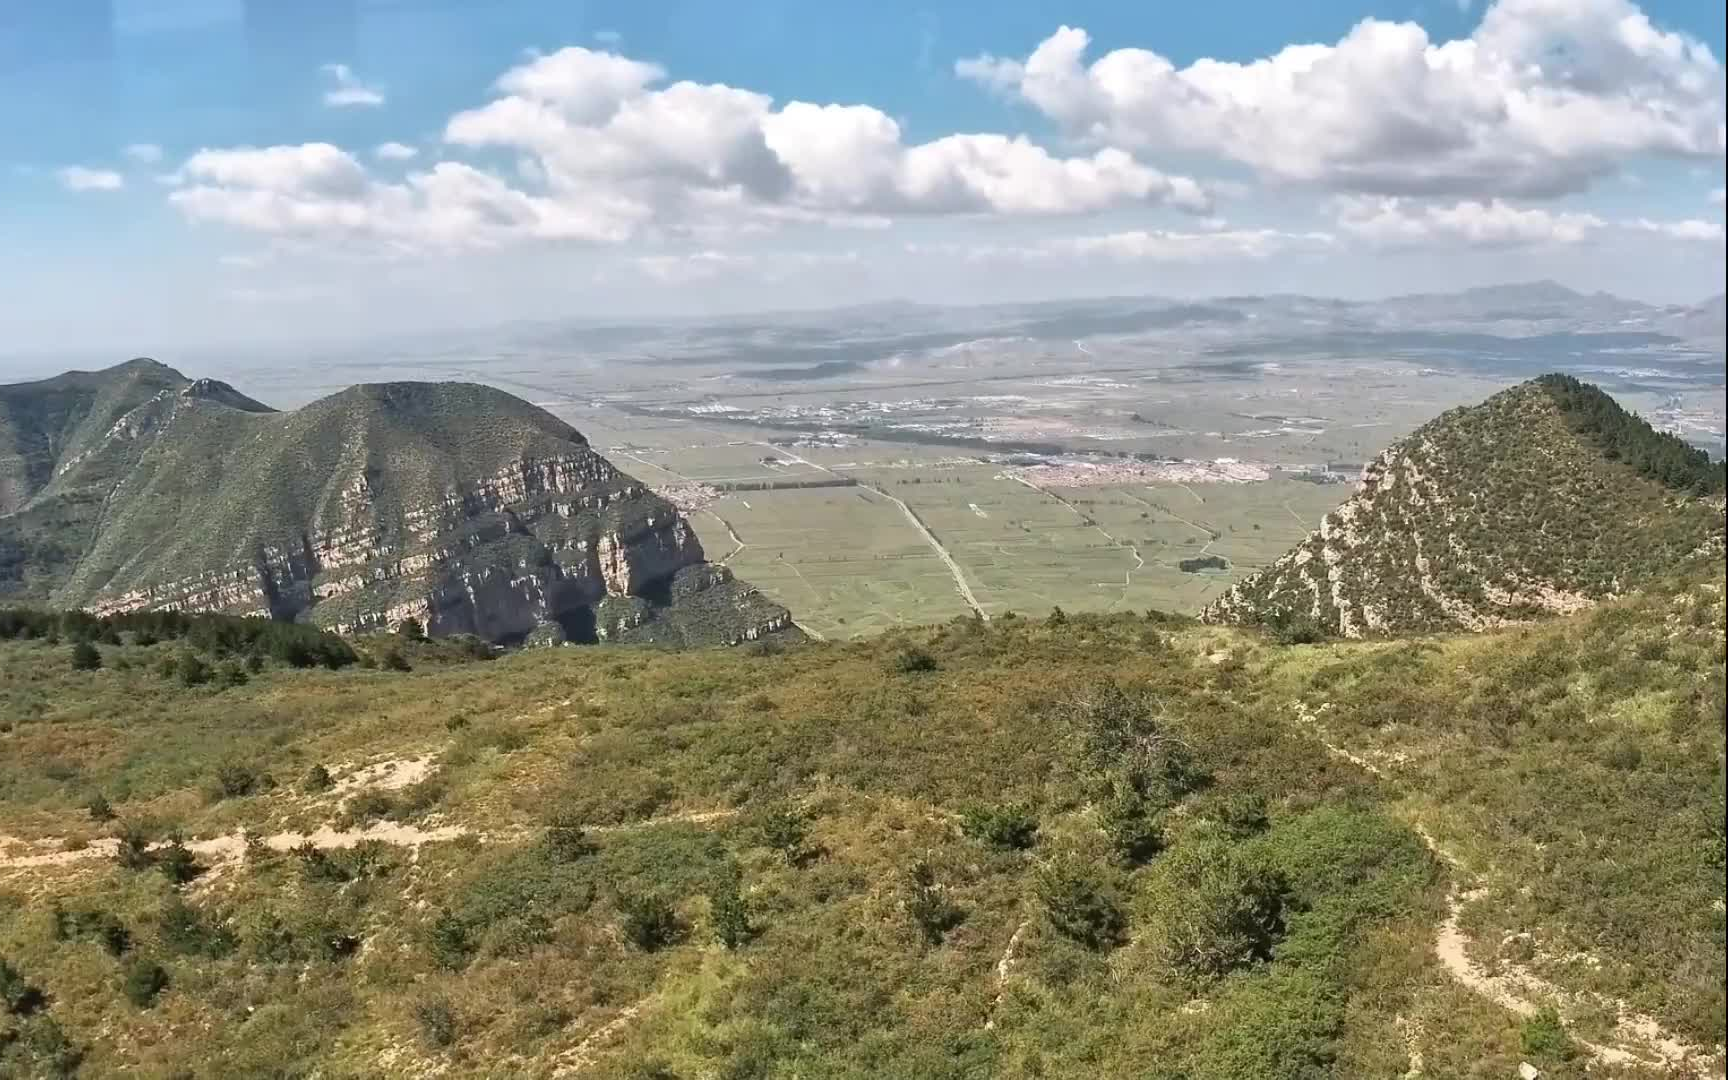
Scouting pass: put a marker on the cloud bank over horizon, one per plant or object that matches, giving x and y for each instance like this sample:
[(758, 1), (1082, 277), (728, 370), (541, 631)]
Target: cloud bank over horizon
[(1529, 135)]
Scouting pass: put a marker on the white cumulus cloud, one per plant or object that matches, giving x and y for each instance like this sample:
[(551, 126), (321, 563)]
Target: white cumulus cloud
[(1392, 223), (1689, 229), (1219, 244), (1543, 98), (1163, 245), (317, 191), (604, 148), (80, 178), (347, 91), (767, 266), (1395, 222), (596, 122), (693, 266)]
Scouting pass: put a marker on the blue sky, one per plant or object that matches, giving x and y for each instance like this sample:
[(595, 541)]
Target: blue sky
[(182, 172)]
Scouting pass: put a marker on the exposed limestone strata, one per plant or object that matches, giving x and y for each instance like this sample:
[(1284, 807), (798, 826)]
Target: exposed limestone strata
[(1494, 514), (457, 505)]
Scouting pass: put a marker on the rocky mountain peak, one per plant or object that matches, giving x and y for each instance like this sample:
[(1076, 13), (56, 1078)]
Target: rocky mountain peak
[(452, 503), (1543, 499)]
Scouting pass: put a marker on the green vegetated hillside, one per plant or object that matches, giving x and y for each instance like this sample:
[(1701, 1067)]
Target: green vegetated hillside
[(1077, 847), (456, 504), (43, 424), (64, 444), (228, 482), (1542, 499)]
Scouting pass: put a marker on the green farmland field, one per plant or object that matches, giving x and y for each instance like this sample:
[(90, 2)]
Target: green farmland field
[(848, 562)]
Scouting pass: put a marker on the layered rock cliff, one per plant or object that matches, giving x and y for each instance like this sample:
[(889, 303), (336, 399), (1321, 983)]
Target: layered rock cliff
[(1541, 500), (456, 505)]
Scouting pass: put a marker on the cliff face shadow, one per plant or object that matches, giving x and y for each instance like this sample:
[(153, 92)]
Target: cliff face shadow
[(658, 592), (579, 625)]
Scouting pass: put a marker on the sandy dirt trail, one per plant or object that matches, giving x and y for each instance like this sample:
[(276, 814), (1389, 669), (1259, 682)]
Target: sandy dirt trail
[(1638, 1039)]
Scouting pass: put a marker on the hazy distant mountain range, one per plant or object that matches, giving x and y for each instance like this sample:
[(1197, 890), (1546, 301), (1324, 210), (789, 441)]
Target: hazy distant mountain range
[(1520, 329)]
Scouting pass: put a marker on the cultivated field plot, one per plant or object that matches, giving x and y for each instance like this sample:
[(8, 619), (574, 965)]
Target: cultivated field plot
[(1249, 525), (845, 560), (716, 463), (849, 563), (1019, 549)]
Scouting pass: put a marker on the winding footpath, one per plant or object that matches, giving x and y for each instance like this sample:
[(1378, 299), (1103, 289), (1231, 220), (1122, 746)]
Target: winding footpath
[(738, 543), (1639, 1040), (1005, 968), (587, 1052)]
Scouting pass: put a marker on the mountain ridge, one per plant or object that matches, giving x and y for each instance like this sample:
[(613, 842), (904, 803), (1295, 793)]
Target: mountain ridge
[(451, 503), (1545, 498)]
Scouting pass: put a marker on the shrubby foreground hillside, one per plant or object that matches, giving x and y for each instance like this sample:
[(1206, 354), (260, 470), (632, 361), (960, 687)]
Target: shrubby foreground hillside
[(1071, 847)]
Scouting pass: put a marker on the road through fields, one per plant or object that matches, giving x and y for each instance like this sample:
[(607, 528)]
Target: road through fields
[(941, 553)]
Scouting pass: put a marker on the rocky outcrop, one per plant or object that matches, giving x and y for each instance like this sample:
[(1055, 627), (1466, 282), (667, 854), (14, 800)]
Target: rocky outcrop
[(1499, 513), (459, 506), (591, 581)]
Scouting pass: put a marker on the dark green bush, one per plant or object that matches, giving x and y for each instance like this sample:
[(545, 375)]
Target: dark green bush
[(785, 828), (185, 930), (235, 779), (1284, 1027), (1241, 814), (450, 942), (176, 861), (566, 840), (1119, 735), (437, 1020), (1291, 628), (927, 903), (39, 1049), (230, 673), (317, 865), (18, 995), (366, 807), (1211, 909), (103, 927), (913, 660), (192, 670), (728, 911), (143, 982), (1132, 823), (417, 799), (133, 850), (647, 920), (1080, 903), (1544, 1040), (1011, 825)]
